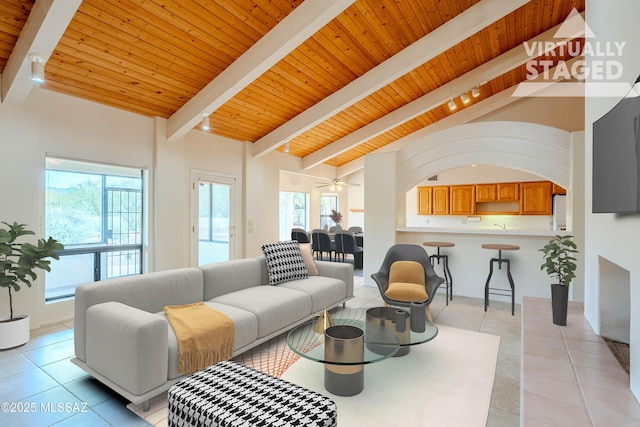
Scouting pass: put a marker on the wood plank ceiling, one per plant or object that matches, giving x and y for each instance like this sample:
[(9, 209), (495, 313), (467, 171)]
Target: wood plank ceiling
[(151, 57)]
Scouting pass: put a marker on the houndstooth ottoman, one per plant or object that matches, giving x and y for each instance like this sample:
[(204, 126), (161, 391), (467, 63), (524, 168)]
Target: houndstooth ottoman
[(229, 394)]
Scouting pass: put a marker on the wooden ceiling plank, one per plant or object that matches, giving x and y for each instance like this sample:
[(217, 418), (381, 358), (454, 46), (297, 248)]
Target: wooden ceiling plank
[(231, 37), (131, 70), (125, 50), (108, 78), (144, 28), (87, 91), (42, 31), (459, 28), (487, 71), (298, 26)]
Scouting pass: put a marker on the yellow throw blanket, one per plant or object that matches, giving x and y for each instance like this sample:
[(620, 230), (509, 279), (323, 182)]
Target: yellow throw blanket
[(205, 336)]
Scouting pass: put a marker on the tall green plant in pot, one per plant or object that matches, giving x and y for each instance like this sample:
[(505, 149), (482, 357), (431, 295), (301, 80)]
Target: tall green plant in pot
[(18, 264), (560, 264)]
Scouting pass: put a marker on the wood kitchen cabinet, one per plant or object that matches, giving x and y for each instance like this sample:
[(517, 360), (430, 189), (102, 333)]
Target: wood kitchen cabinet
[(536, 198), (425, 195), (440, 200), (463, 200), (509, 192), (486, 193), (556, 189)]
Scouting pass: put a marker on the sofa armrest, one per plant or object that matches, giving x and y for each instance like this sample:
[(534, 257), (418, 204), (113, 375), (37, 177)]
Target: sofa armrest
[(337, 270), (127, 345)]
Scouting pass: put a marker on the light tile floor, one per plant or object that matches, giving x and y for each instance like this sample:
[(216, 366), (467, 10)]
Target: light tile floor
[(39, 375), (570, 377)]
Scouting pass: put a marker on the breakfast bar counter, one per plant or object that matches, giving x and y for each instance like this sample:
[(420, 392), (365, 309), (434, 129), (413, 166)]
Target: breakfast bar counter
[(468, 260)]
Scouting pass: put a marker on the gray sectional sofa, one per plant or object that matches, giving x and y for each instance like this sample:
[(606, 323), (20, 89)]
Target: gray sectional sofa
[(123, 339)]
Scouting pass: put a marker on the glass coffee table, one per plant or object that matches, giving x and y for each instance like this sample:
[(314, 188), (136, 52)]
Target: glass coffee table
[(358, 337)]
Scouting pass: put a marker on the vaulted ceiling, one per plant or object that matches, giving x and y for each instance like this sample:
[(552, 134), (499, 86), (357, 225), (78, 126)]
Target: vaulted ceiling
[(335, 78)]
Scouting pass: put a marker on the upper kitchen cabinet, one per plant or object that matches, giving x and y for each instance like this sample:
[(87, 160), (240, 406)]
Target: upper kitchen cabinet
[(536, 198), (556, 189), (425, 195), (508, 192), (463, 200), (486, 193), (440, 200)]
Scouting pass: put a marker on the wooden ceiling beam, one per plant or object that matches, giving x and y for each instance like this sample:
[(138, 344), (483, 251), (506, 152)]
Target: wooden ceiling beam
[(44, 28), (292, 31), (487, 71), (473, 112), (442, 38)]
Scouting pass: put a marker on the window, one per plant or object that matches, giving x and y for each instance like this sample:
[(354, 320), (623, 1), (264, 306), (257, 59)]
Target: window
[(294, 212), (327, 203), (95, 210)]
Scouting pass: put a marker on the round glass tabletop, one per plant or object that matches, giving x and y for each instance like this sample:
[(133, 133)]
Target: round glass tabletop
[(382, 339)]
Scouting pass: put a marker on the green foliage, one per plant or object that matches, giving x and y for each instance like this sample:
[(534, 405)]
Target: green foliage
[(559, 261), (18, 261)]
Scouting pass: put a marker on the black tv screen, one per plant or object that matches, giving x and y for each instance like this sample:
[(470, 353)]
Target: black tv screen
[(616, 157)]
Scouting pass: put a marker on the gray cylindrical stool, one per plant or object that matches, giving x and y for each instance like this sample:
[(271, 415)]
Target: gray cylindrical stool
[(500, 291), (344, 346), (448, 280)]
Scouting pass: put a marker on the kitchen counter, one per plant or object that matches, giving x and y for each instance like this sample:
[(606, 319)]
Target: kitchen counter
[(478, 230)]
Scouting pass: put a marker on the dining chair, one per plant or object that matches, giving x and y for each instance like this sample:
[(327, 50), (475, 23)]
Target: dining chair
[(321, 243), (300, 235), (355, 229), (346, 244)]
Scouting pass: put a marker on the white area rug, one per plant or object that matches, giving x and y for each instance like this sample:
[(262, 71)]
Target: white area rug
[(445, 382)]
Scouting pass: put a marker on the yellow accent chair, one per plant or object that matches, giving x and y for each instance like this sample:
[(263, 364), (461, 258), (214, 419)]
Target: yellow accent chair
[(406, 276)]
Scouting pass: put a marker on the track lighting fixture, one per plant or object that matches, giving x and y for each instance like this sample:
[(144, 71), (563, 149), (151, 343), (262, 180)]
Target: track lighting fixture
[(286, 146), (465, 98), (452, 105), (37, 68), (205, 122), (475, 92)]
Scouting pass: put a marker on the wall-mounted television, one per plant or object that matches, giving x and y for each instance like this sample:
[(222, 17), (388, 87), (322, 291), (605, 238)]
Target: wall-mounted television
[(616, 157)]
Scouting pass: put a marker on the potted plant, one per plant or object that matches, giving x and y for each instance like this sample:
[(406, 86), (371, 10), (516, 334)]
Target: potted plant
[(18, 262), (336, 217), (560, 264)]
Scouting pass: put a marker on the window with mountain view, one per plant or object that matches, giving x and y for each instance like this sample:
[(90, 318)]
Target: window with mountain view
[(96, 211)]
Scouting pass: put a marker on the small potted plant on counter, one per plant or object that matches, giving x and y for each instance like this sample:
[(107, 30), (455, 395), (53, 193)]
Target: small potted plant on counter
[(18, 262), (560, 264)]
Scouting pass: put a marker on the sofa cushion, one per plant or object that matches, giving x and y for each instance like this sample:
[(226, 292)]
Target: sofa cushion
[(324, 291), (246, 331), (307, 256), (223, 277), (275, 307), (284, 262)]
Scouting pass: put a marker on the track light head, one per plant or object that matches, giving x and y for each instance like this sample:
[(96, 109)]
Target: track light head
[(465, 98), (205, 122), (475, 92), (452, 105), (286, 146), (37, 68)]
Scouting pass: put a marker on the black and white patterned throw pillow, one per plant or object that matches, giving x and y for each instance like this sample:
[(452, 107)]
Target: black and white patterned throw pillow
[(284, 262)]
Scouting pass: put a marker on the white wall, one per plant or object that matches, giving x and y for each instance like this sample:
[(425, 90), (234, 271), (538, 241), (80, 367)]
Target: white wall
[(50, 123), (613, 237)]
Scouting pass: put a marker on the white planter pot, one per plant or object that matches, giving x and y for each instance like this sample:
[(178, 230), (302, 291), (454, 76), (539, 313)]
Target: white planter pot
[(14, 333)]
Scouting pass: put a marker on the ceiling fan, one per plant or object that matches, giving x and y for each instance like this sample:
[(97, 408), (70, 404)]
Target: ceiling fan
[(336, 183)]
